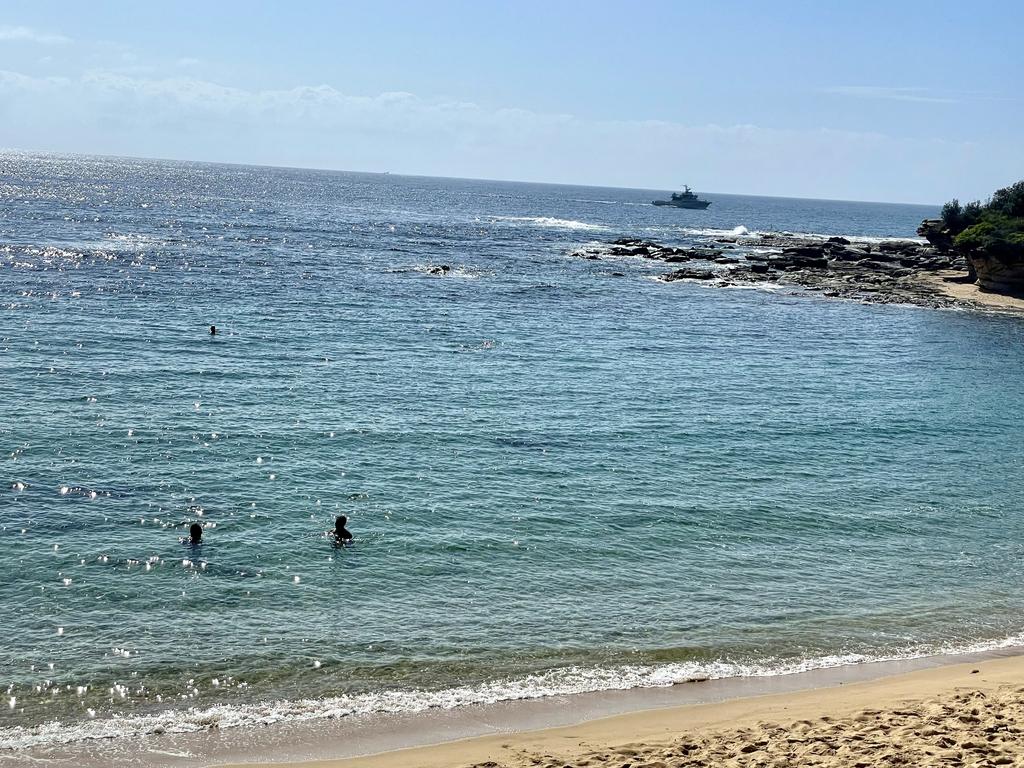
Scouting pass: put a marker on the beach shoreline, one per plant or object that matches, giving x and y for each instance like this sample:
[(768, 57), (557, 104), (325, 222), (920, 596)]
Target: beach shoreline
[(504, 732), (951, 283), (931, 715)]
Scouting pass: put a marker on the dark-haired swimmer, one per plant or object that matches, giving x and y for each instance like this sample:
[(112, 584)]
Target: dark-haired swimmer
[(195, 534), (341, 533)]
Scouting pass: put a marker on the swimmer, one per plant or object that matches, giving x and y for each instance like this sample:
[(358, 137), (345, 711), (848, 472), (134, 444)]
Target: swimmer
[(195, 534), (341, 533), (213, 330)]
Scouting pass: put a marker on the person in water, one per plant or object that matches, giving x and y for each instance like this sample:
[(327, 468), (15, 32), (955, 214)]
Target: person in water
[(213, 330), (341, 533), (195, 533)]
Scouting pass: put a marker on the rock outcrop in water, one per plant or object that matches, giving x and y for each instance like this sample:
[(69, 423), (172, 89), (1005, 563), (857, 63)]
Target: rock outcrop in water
[(886, 272)]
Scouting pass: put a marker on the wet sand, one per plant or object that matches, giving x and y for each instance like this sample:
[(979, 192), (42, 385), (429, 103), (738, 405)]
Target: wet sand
[(962, 714)]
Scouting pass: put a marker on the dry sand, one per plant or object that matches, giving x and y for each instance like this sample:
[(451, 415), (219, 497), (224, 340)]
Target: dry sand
[(946, 282), (958, 715)]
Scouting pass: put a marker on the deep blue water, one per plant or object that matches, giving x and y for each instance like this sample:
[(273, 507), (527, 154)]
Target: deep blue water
[(559, 479)]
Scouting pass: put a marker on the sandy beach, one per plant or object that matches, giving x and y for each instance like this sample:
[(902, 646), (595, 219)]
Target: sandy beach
[(946, 283), (963, 714)]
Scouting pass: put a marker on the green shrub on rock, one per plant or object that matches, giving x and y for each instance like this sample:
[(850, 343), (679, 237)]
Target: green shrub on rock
[(995, 235)]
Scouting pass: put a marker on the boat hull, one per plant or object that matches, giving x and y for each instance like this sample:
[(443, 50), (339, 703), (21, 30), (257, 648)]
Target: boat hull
[(699, 204)]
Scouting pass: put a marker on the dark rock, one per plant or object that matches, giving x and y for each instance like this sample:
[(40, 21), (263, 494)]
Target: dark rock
[(677, 258), (705, 253), (593, 257), (899, 246), (727, 260), (883, 255), (689, 274), (937, 233), (880, 266), (849, 254), (804, 251), (441, 269), (838, 240), (758, 268), (804, 256)]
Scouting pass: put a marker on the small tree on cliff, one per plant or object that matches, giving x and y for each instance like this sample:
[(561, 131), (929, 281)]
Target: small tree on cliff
[(1008, 201), (957, 218)]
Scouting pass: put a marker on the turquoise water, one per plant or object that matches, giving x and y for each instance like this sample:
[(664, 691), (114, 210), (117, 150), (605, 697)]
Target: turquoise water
[(559, 479)]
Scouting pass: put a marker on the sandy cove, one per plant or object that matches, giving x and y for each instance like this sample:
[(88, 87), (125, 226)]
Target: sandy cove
[(958, 715), (952, 284)]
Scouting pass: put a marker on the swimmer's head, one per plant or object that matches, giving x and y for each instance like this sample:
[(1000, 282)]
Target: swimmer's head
[(340, 522), (195, 532)]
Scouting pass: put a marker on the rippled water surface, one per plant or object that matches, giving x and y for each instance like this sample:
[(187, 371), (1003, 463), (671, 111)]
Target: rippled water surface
[(562, 474)]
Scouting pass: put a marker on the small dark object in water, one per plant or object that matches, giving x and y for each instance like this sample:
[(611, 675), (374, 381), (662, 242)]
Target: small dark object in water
[(195, 533), (341, 533), (213, 330)]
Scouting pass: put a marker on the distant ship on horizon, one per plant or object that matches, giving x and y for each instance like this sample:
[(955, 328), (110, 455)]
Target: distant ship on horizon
[(684, 199)]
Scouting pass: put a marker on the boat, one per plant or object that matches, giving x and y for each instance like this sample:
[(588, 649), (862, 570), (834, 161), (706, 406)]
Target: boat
[(684, 199)]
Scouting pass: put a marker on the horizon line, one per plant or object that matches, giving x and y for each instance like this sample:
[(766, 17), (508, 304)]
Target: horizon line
[(425, 176)]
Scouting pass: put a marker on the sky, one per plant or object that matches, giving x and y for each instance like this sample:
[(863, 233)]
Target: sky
[(891, 100)]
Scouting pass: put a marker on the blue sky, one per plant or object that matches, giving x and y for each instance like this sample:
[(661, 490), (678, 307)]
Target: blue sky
[(902, 101)]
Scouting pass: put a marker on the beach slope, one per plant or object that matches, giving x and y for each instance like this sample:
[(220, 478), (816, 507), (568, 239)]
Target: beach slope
[(963, 714)]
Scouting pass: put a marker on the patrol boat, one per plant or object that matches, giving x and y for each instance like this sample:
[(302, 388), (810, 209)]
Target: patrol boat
[(684, 199)]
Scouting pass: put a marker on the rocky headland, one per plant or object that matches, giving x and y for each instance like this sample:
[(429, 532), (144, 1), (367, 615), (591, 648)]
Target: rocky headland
[(972, 257), (880, 272)]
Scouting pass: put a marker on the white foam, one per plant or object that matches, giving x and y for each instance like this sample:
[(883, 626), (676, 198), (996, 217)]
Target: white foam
[(551, 222), (851, 238), (558, 682), (742, 231), (738, 231)]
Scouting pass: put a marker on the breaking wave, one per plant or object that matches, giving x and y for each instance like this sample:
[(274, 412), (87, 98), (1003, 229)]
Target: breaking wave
[(550, 222), (557, 682)]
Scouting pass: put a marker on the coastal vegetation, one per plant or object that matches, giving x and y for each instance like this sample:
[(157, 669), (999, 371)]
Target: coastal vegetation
[(995, 227), (990, 235)]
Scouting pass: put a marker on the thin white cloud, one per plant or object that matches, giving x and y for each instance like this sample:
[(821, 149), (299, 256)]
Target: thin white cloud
[(888, 93), (29, 35), (15, 81)]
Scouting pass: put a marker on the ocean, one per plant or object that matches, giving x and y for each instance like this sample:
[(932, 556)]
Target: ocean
[(563, 475)]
